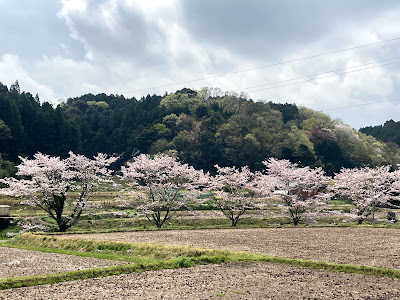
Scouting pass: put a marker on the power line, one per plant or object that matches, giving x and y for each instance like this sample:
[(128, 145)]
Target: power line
[(318, 74), (323, 77), (265, 66), (356, 105)]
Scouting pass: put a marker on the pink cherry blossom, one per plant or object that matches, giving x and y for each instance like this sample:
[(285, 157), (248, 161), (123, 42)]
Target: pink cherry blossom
[(366, 188), (162, 185), (46, 182), (233, 191), (299, 187)]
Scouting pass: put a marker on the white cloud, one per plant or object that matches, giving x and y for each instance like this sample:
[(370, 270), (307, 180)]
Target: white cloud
[(12, 70), (69, 77)]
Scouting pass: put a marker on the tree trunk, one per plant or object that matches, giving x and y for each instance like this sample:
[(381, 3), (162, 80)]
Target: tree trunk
[(63, 227), (373, 211), (234, 222)]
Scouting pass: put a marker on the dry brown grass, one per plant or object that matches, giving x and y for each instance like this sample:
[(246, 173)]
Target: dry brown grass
[(377, 247)]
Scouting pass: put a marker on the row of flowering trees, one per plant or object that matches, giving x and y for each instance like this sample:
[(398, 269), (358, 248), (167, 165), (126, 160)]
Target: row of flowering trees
[(162, 185)]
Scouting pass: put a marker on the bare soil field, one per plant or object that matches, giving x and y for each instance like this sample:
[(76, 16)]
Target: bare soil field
[(226, 281), (377, 247), (18, 262)]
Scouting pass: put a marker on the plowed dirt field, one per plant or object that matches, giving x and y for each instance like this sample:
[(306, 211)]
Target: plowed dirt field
[(227, 281)]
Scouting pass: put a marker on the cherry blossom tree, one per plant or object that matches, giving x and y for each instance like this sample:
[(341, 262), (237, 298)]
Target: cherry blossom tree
[(46, 182), (163, 185), (233, 191), (366, 188), (300, 188)]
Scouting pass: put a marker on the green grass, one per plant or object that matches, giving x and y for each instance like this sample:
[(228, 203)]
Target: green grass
[(12, 228), (340, 202), (111, 224), (108, 225), (108, 248), (108, 222)]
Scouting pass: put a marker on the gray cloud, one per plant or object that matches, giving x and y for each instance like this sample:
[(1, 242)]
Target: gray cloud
[(102, 36), (68, 48), (274, 28), (32, 29)]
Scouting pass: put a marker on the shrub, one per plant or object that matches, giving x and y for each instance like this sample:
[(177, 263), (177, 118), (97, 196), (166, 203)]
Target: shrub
[(391, 217)]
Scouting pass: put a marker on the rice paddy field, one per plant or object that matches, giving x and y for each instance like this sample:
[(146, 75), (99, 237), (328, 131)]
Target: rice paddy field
[(304, 271)]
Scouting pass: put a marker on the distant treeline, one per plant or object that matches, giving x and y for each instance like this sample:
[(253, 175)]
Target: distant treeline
[(203, 128), (388, 132)]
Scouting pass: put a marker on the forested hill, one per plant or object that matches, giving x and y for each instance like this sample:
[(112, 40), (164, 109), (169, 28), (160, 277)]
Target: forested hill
[(388, 132), (203, 128)]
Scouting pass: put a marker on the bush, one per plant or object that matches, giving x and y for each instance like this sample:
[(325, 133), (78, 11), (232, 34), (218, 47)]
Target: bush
[(391, 217)]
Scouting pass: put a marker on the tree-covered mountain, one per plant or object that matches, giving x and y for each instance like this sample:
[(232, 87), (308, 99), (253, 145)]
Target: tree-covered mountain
[(388, 132), (203, 128)]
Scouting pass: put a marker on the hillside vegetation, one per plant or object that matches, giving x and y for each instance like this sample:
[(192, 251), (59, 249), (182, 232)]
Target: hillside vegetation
[(388, 132), (203, 128)]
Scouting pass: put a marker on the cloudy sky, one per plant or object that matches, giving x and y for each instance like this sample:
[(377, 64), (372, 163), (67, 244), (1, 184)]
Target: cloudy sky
[(63, 49)]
